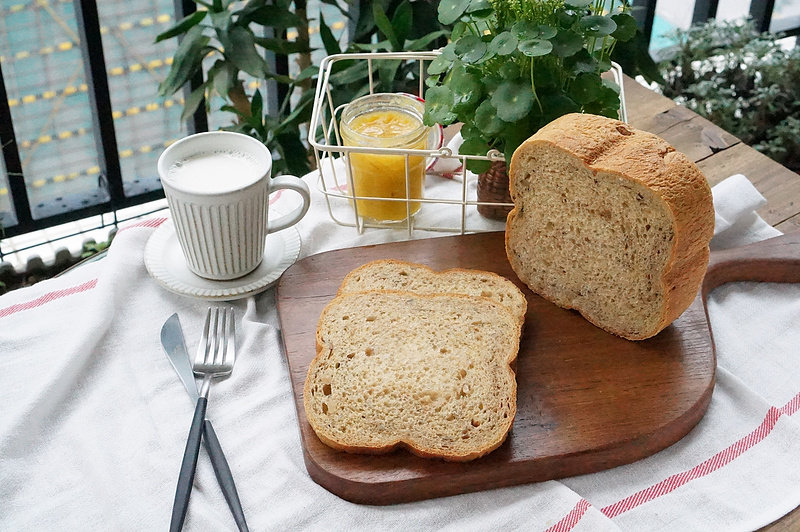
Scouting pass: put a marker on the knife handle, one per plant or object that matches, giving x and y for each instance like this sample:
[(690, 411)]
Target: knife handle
[(188, 466), (224, 475)]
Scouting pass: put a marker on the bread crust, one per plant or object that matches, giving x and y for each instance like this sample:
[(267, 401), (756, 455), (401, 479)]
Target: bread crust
[(611, 146), (322, 349), (414, 265)]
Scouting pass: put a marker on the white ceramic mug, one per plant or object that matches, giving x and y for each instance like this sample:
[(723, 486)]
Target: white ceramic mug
[(217, 186)]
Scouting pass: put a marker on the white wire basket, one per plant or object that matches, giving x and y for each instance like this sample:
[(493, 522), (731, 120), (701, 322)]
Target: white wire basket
[(449, 203)]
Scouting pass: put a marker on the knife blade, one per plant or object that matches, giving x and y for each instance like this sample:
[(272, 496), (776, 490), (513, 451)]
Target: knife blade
[(174, 345)]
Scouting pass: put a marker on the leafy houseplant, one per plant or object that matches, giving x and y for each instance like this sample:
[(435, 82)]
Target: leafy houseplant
[(744, 82), (235, 38), (512, 66), (408, 27)]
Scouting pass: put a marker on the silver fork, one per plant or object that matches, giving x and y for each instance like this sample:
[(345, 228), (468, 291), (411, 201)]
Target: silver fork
[(215, 357)]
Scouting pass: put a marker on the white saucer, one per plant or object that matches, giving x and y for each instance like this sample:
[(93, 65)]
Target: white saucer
[(166, 264)]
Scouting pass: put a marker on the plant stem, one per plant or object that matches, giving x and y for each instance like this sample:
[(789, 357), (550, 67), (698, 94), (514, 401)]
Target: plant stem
[(303, 59), (286, 100), (533, 88)]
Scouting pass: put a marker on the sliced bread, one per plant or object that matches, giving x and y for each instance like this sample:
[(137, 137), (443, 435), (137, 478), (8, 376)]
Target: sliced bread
[(610, 221), (418, 278), (431, 373)]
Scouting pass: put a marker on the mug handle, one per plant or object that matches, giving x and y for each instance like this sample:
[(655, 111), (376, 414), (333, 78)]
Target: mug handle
[(289, 182)]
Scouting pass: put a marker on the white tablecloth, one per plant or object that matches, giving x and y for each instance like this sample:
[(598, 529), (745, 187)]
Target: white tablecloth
[(94, 419)]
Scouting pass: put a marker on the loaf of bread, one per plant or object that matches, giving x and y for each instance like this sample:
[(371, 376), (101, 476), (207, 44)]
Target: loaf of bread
[(431, 373), (610, 221), (411, 277)]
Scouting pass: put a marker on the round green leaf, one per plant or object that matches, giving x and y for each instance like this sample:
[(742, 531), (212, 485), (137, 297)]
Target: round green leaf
[(439, 65), (566, 43), (451, 10), (525, 30), (535, 47), (470, 130), (503, 43), (566, 19), (474, 146), (598, 25), (438, 106), (582, 61), (557, 104), (478, 5), (488, 55), (478, 166), (546, 32), (626, 27), (470, 48), (466, 90), (609, 98), (486, 119), (459, 29), (513, 100), (586, 88), (613, 85), (479, 9), (607, 103), (449, 51)]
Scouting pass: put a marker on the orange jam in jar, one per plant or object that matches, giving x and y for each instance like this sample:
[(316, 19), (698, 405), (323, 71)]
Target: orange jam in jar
[(385, 121)]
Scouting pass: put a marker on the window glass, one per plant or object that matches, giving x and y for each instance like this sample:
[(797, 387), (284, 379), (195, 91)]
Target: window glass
[(786, 15), (144, 122), (7, 215), (48, 96)]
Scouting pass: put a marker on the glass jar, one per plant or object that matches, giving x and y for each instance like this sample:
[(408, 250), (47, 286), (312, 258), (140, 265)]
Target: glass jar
[(386, 121)]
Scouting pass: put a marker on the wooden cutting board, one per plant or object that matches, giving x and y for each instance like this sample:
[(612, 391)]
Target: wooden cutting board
[(586, 401)]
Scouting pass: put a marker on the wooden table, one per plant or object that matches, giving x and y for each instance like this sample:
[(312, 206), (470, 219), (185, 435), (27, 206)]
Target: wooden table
[(719, 155)]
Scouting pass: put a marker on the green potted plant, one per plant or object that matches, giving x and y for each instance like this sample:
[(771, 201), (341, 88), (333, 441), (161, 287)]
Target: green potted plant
[(743, 81), (232, 38), (512, 66)]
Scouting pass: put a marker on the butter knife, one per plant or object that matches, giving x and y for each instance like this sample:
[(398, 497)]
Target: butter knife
[(175, 347)]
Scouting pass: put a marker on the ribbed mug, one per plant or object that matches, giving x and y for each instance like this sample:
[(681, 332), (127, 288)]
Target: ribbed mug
[(222, 221)]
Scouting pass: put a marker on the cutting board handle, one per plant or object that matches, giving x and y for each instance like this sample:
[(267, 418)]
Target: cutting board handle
[(776, 260)]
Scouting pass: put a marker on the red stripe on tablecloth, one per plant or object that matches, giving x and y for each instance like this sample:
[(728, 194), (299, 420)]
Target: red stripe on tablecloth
[(276, 197), (717, 461), (571, 519), (88, 285), (792, 406), (46, 298), (150, 222)]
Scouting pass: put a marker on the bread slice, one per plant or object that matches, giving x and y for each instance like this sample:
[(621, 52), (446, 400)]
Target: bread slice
[(610, 221), (418, 278), (431, 373)]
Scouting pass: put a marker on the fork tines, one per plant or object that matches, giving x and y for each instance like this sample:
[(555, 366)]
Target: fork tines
[(217, 349)]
